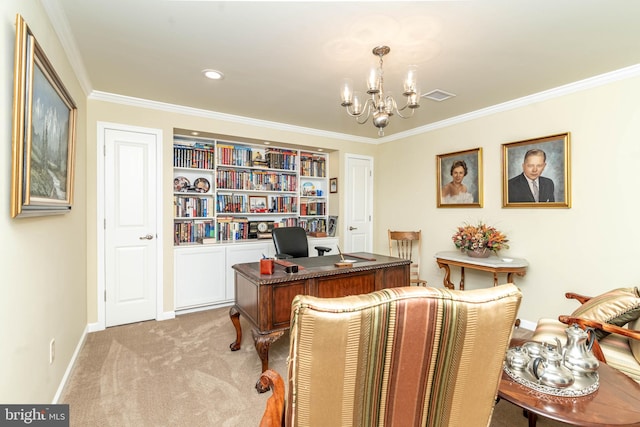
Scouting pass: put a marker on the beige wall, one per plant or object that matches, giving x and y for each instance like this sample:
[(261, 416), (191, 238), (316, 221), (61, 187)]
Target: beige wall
[(50, 265), (43, 259), (589, 248), (102, 111)]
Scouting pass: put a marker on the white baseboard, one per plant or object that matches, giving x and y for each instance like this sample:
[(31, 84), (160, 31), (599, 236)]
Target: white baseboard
[(527, 324), (70, 366), (167, 315)]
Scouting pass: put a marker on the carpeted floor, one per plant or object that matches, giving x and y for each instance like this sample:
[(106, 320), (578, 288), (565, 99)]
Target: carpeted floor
[(181, 372)]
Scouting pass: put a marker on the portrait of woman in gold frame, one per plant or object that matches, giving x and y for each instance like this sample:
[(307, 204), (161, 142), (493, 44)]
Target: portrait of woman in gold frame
[(459, 179)]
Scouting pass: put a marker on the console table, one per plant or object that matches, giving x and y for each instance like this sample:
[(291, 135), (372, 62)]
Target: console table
[(265, 300), (493, 264)]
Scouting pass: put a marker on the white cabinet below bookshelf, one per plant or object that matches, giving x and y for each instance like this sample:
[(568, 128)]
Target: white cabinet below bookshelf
[(203, 277), (199, 276)]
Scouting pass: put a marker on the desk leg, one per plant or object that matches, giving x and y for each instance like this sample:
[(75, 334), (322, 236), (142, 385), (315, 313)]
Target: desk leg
[(495, 279), (447, 275), (234, 314), (462, 278), (262, 343)]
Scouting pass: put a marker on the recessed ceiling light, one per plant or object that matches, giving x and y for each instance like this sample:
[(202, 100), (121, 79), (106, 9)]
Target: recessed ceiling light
[(320, 149), (195, 133), (213, 74), (267, 143)]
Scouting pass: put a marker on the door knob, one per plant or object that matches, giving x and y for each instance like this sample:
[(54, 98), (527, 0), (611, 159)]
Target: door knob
[(352, 228), (147, 237)]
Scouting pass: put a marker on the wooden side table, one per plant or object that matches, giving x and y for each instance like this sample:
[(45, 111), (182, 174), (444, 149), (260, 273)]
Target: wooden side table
[(493, 264), (615, 403)]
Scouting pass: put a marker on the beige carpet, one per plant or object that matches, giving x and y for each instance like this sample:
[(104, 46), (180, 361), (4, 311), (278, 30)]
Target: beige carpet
[(181, 372)]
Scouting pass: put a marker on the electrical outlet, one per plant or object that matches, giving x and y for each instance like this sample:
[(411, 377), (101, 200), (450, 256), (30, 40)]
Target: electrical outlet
[(52, 350)]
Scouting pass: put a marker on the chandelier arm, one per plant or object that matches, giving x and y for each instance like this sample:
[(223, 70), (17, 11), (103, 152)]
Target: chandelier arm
[(408, 116), (368, 109), (365, 109)]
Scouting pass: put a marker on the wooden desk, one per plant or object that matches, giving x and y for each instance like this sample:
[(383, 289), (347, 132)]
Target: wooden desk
[(615, 403), (493, 264), (265, 300)]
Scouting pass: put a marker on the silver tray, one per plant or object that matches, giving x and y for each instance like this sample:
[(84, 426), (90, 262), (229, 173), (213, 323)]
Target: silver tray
[(583, 385)]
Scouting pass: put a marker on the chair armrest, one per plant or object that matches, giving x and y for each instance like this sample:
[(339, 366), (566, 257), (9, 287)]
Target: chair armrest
[(581, 298), (588, 323), (322, 249), (282, 256), (274, 411)]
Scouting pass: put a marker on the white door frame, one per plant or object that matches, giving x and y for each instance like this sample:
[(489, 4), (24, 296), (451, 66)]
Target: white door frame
[(100, 221), (347, 187)]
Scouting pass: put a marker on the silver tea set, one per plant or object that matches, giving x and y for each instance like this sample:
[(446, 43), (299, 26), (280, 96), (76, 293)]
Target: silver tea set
[(556, 366)]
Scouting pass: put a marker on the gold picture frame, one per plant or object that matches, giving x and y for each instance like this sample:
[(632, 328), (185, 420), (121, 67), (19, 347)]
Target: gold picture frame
[(43, 138), (547, 161), (459, 179)]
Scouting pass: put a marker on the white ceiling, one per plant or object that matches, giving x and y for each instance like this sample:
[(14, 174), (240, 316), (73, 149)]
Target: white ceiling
[(284, 61)]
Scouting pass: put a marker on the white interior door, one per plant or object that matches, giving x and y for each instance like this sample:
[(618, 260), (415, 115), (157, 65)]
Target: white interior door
[(131, 243), (358, 224)]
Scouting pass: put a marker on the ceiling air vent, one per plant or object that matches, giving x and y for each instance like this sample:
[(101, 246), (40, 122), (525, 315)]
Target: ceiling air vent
[(438, 95)]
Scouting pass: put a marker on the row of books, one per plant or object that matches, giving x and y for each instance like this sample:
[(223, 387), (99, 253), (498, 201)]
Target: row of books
[(190, 207), (232, 228), (189, 157), (313, 166), (313, 225), (237, 203), (255, 180), (186, 232), (232, 155), (312, 208), (284, 204), (281, 159)]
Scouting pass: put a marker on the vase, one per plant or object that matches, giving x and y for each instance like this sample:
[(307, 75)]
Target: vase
[(479, 253)]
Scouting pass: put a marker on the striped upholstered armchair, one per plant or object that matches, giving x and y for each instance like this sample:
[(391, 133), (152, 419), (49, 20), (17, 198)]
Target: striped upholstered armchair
[(410, 356)]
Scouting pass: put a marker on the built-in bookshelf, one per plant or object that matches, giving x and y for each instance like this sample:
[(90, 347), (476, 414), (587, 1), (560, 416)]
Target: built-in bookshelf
[(193, 192), (230, 191), (313, 193)]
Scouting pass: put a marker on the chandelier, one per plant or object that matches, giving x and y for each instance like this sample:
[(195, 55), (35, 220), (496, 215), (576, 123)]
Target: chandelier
[(380, 105)]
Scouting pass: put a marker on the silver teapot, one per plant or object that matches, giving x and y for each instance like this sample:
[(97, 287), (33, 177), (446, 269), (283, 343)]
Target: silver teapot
[(517, 358), (549, 368), (577, 352)]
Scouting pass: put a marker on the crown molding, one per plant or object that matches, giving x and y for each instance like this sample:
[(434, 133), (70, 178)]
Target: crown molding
[(61, 27), (624, 73)]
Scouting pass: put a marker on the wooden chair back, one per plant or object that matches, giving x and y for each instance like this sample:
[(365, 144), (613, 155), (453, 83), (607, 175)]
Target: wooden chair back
[(407, 245)]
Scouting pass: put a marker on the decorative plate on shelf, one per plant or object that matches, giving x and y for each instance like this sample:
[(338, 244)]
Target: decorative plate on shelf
[(180, 183), (201, 185), (308, 189)]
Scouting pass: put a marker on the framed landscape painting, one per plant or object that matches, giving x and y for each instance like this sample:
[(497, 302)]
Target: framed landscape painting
[(43, 146), (536, 173), (459, 179)]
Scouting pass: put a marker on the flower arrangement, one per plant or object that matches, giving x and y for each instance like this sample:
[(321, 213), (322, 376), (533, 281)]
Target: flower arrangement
[(472, 238)]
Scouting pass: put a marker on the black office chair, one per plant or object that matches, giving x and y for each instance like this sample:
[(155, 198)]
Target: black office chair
[(291, 242)]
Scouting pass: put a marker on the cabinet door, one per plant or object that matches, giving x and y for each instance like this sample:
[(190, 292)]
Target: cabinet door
[(241, 253), (199, 276)]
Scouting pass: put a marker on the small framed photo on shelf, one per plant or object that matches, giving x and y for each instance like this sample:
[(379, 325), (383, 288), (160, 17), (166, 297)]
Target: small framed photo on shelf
[(459, 179), (536, 173), (333, 185), (332, 226), (258, 204)]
